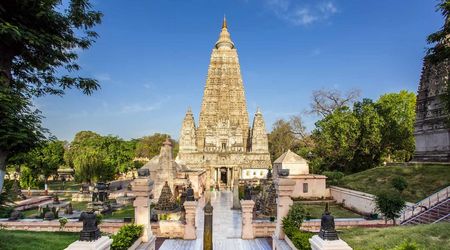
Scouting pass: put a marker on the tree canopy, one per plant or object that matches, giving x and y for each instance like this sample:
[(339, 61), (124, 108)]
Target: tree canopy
[(352, 140), (39, 40)]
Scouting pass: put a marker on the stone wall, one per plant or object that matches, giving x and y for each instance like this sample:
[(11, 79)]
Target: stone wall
[(53, 226), (314, 226), (360, 202), (160, 229)]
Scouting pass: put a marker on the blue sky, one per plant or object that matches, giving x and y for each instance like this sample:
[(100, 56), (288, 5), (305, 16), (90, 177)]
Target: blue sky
[(152, 58)]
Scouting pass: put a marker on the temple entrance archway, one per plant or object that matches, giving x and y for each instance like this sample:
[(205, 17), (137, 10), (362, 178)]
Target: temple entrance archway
[(224, 175)]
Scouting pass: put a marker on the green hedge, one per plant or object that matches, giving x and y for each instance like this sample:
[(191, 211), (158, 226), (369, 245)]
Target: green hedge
[(126, 236), (291, 225)]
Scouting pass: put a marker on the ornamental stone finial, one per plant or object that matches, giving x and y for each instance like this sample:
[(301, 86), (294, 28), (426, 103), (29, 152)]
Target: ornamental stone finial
[(224, 24)]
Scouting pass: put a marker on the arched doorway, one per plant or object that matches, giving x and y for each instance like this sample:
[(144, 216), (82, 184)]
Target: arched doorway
[(224, 175)]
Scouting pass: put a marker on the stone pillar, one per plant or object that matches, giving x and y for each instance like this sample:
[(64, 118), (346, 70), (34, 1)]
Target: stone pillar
[(284, 188), (142, 188), (190, 231), (236, 204), (207, 229), (247, 219)]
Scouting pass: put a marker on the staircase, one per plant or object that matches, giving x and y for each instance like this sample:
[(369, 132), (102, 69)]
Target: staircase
[(434, 208), (438, 213)]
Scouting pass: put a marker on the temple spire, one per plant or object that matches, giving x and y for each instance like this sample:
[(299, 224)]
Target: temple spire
[(224, 24), (224, 37)]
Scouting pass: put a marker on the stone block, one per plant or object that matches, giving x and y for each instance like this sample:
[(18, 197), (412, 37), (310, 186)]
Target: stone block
[(318, 243), (103, 243)]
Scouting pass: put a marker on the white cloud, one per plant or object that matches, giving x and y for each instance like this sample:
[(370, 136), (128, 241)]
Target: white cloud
[(140, 107), (103, 77), (302, 13)]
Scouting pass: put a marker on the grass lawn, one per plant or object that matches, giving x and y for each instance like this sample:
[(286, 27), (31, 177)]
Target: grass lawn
[(423, 180), (316, 211), (24, 240), (433, 236), (127, 211), (68, 185), (30, 213), (79, 205)]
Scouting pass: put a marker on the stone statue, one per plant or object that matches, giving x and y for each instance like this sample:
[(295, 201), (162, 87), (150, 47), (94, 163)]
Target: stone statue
[(84, 188), (190, 193), (327, 228), (55, 199), (269, 174), (247, 193), (15, 215), (90, 231), (143, 172), (69, 209)]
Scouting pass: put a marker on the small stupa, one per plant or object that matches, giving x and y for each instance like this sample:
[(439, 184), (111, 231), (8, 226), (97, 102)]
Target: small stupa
[(166, 201)]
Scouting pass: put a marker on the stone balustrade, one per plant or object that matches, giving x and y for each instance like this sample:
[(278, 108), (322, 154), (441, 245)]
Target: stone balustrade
[(262, 229)]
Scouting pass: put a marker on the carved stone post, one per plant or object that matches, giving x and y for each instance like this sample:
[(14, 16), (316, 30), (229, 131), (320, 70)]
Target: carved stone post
[(284, 188), (247, 219), (208, 230), (236, 204), (190, 231), (142, 188)]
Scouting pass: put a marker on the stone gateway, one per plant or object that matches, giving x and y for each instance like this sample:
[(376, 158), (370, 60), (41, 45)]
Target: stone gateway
[(223, 143)]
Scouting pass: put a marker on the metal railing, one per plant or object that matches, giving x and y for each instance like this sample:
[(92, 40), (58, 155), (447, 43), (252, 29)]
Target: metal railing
[(425, 204)]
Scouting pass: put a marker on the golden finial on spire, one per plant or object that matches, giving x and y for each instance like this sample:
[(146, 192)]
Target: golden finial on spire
[(224, 24)]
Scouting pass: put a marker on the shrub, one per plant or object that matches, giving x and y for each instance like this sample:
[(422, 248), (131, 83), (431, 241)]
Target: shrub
[(62, 223), (399, 183), (333, 177), (295, 215), (126, 236), (390, 203), (291, 225), (98, 218), (407, 245), (300, 239)]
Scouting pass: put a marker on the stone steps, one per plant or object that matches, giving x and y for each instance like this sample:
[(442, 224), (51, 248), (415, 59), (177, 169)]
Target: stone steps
[(436, 213)]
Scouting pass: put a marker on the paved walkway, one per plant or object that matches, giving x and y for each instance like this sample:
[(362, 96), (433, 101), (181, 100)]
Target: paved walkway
[(227, 228)]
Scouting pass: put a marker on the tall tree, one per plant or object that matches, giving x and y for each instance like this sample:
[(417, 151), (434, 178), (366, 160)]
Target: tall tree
[(281, 138), (325, 101), (398, 113), (47, 158), (38, 44), (336, 137), (150, 146)]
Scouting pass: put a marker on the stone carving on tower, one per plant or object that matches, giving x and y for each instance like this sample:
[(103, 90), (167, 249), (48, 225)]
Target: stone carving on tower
[(431, 131), (223, 144), (187, 137)]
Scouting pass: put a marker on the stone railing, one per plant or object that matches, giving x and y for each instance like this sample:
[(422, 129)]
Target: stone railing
[(169, 229), (314, 225), (414, 209), (263, 229)]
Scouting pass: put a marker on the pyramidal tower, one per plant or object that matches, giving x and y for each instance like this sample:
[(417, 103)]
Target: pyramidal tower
[(224, 144)]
